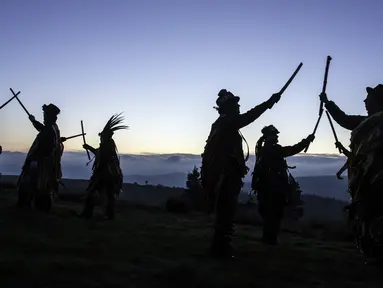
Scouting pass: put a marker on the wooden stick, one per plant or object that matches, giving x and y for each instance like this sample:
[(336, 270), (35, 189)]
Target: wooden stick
[(291, 78), (333, 131), (83, 138), (74, 136), (17, 98), (321, 103), (14, 96)]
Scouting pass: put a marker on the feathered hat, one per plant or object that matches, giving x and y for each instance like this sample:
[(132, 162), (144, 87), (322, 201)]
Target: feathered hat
[(113, 125)]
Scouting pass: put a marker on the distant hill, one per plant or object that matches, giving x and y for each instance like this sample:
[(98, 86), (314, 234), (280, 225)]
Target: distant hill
[(176, 179), (324, 186), (316, 207)]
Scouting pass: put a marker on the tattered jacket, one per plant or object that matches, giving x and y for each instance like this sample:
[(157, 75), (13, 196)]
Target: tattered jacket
[(106, 168), (44, 152), (223, 153), (270, 171), (366, 168)]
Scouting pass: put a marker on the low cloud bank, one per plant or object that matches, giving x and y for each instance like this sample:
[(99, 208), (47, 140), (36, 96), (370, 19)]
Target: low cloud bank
[(315, 173), (74, 164)]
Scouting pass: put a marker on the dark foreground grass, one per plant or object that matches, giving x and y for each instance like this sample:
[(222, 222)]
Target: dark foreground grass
[(152, 248)]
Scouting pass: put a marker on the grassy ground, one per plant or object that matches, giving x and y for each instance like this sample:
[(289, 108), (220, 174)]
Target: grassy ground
[(151, 248)]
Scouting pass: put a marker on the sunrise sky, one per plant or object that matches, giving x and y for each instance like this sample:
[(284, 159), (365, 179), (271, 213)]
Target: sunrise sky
[(163, 62)]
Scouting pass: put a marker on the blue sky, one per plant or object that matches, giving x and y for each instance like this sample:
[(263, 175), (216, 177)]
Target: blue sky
[(163, 62)]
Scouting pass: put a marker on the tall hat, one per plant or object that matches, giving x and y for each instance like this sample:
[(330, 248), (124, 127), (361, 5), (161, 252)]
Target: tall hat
[(51, 109), (225, 97), (113, 125), (376, 92), (269, 131)]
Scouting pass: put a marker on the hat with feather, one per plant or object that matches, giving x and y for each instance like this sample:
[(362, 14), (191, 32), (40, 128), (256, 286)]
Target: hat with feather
[(113, 124)]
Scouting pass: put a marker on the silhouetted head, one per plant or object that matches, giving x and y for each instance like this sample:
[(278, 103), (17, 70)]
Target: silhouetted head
[(105, 136), (227, 103), (270, 133), (374, 99), (50, 113)]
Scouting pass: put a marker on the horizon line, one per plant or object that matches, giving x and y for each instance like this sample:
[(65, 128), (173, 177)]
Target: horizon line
[(163, 174), (180, 153)]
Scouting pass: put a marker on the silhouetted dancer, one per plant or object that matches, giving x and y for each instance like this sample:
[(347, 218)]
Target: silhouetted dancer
[(270, 180), (366, 176), (41, 167), (106, 180), (224, 166)]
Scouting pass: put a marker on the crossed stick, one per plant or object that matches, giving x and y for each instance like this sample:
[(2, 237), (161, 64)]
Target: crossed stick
[(14, 96), (83, 138), (71, 137), (18, 100), (323, 91)]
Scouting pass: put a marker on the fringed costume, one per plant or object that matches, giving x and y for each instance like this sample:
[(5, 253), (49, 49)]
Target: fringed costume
[(106, 181), (365, 185), (41, 168), (365, 171), (58, 173)]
